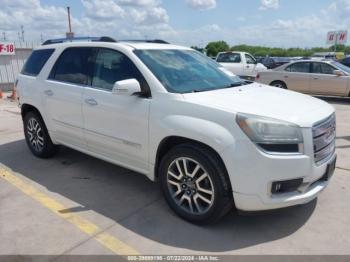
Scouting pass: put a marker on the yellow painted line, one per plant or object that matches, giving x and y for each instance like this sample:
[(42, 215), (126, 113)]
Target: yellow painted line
[(107, 240)]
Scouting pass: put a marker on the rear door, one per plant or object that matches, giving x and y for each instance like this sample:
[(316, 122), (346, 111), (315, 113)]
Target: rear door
[(63, 94), (325, 82), (297, 76)]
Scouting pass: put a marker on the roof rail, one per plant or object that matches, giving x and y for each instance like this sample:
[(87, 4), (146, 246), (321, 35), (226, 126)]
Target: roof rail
[(91, 39), (155, 41)]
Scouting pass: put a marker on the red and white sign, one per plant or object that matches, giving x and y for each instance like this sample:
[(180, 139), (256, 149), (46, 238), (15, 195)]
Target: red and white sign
[(337, 37), (7, 48), (342, 37)]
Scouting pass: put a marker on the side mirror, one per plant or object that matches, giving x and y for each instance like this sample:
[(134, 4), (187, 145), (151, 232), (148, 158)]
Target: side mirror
[(338, 73), (127, 87)]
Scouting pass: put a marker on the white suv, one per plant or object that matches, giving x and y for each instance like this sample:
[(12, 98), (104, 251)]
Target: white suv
[(176, 116)]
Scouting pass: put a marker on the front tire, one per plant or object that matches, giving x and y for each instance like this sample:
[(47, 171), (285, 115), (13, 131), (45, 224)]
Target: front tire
[(37, 136), (195, 184)]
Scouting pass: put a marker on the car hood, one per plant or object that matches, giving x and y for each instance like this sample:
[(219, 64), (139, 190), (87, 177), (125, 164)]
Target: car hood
[(262, 100)]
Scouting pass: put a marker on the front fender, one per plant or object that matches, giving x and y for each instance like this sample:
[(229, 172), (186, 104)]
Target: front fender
[(209, 133)]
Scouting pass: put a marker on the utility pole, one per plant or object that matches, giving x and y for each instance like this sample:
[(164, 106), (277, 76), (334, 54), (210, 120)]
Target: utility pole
[(22, 32), (69, 34), (4, 35)]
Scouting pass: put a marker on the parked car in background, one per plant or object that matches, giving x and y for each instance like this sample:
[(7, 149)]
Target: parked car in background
[(326, 77), (273, 62), (174, 115), (241, 64), (346, 61), (329, 55)]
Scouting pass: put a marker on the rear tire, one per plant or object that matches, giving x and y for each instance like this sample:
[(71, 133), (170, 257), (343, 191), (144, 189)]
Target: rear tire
[(279, 84), (195, 184), (37, 136)]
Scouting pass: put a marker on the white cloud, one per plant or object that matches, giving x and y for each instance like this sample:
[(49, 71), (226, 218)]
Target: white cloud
[(138, 2), (36, 19), (104, 10), (201, 4), (269, 4), (124, 19)]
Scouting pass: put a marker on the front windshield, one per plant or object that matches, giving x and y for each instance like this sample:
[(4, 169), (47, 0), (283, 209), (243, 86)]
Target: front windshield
[(341, 67), (186, 71)]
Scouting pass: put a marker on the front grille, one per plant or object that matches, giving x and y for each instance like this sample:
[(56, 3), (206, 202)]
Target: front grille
[(324, 134)]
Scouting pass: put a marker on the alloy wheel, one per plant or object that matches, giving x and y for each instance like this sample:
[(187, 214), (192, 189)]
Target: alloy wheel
[(35, 135), (190, 186)]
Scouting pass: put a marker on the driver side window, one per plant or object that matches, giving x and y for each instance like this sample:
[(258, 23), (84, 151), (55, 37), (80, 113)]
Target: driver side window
[(112, 66), (250, 60)]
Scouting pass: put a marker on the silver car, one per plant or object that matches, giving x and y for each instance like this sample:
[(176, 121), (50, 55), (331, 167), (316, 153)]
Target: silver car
[(323, 77)]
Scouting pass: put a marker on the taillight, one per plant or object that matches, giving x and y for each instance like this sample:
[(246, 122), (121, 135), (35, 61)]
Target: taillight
[(257, 76)]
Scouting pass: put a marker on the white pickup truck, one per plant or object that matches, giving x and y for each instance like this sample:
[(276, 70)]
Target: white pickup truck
[(241, 64)]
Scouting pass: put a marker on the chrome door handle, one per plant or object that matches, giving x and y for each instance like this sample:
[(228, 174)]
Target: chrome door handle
[(91, 102), (315, 78), (48, 92)]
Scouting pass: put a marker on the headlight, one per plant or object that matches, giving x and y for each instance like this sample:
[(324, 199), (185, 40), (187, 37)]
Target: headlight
[(262, 130)]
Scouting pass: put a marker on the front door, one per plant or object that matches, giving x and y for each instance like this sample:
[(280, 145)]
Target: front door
[(116, 126), (325, 82), (250, 66)]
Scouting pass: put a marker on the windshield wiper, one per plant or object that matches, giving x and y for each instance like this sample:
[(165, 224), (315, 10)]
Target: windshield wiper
[(198, 91), (233, 85), (228, 86)]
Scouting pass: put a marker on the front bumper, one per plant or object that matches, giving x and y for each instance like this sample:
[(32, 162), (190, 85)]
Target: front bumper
[(255, 203), (253, 171)]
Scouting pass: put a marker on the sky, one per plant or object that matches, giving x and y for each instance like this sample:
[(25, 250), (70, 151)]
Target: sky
[(277, 23)]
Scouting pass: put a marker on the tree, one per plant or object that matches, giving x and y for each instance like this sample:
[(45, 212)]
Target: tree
[(213, 48), (198, 49)]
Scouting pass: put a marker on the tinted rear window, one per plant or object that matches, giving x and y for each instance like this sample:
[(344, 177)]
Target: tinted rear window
[(74, 66), (303, 67), (229, 58), (36, 62)]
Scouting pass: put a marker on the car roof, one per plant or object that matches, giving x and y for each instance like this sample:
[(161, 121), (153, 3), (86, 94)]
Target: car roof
[(231, 52), (132, 45), (311, 60)]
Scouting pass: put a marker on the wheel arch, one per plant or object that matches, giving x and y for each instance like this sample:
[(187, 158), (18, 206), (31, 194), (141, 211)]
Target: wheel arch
[(279, 81), (26, 108), (171, 141)]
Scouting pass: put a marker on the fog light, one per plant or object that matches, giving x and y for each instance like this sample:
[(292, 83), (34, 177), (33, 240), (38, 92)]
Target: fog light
[(280, 187)]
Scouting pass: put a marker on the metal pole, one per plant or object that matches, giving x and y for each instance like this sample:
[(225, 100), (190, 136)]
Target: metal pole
[(69, 22), (336, 42)]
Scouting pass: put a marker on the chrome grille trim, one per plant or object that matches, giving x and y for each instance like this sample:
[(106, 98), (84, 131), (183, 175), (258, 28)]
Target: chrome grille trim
[(324, 135)]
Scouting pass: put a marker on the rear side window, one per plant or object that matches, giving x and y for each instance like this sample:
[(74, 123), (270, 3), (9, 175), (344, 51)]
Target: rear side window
[(299, 68), (36, 62), (229, 58), (74, 66)]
